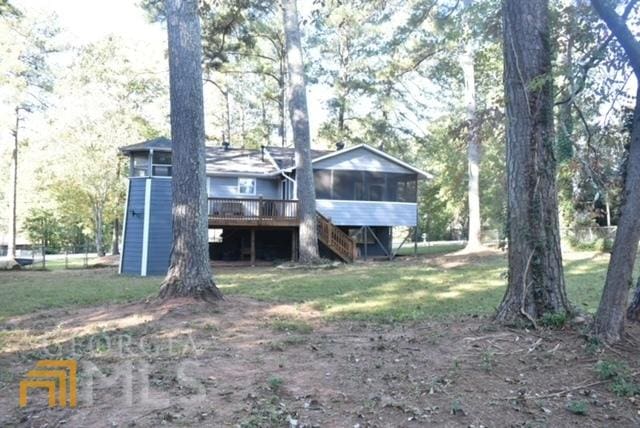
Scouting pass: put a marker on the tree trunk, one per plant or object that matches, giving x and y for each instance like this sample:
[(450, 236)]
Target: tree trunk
[(282, 100), (536, 281), (11, 245), (227, 105), (189, 272), (633, 311), (301, 135), (474, 153), (115, 245), (97, 219), (609, 323)]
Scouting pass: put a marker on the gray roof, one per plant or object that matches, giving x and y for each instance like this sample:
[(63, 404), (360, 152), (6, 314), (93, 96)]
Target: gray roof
[(252, 162), (234, 161), (284, 157), (160, 143)]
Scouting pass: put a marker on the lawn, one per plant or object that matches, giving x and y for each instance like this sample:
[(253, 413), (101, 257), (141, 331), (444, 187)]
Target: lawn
[(284, 347), (406, 289)]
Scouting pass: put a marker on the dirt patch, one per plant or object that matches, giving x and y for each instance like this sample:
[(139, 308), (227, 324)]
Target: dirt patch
[(251, 363)]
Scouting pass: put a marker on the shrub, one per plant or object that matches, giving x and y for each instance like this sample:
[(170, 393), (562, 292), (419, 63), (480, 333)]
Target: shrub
[(275, 383), (578, 407), (554, 319), (618, 372)]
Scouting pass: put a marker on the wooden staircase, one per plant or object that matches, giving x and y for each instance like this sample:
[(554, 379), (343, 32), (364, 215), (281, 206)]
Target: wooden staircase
[(336, 240)]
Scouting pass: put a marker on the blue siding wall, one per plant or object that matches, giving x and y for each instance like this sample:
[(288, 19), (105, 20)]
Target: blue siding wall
[(227, 187), (132, 239), (361, 213), (160, 231), (361, 159)]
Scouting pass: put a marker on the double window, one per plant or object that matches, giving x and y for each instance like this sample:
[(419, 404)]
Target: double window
[(160, 164), (246, 186)]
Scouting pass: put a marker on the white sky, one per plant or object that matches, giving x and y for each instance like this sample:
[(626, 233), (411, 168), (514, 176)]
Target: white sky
[(91, 20), (86, 21)]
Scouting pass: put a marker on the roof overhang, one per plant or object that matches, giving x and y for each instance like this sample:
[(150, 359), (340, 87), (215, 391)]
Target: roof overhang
[(394, 159), (245, 174)]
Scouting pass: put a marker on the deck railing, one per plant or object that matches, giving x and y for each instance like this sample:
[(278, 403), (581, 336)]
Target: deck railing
[(238, 212)]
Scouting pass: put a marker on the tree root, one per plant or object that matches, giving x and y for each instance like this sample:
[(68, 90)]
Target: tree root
[(173, 287)]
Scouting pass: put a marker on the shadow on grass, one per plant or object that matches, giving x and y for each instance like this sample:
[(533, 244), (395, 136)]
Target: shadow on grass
[(384, 292), (395, 292)]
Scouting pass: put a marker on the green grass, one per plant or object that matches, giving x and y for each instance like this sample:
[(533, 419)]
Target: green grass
[(22, 292), (59, 264), (404, 291), (423, 249), (384, 291)]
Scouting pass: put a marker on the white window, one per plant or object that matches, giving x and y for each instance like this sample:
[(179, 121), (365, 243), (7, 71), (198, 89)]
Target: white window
[(247, 186)]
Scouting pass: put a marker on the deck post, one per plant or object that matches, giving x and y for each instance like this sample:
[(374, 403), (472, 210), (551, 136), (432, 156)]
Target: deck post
[(366, 252), (253, 247), (294, 244), (415, 231)]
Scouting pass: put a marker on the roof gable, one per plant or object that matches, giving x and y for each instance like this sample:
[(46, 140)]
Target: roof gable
[(364, 157), (159, 144)]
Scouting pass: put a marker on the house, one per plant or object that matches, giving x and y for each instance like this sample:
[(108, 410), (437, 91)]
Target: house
[(361, 192)]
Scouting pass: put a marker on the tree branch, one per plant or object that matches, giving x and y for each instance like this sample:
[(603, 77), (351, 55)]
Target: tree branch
[(618, 27), (592, 60)]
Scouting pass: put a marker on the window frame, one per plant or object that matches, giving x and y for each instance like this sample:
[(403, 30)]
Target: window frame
[(255, 186), (160, 165)]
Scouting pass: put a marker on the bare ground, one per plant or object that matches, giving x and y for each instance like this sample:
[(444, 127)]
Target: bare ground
[(248, 363)]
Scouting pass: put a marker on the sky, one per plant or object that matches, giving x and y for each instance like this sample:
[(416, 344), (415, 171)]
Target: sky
[(91, 20), (86, 21)]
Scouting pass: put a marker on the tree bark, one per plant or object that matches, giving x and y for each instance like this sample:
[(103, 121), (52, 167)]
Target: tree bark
[(536, 280), (115, 245), (282, 102), (633, 311), (189, 272), (474, 153), (299, 116), (609, 322), (11, 245), (97, 219)]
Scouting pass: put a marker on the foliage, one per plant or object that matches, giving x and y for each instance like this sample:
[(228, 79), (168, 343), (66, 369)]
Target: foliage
[(603, 245), (105, 101), (620, 375), (578, 407), (385, 73), (42, 228), (554, 319), (275, 383)]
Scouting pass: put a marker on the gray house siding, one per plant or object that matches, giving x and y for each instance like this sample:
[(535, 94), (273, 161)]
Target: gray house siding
[(132, 237), (360, 160), (354, 213), (160, 227), (227, 187)]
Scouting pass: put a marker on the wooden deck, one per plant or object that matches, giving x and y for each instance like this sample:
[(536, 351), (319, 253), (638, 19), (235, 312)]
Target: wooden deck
[(253, 212), (264, 213)]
